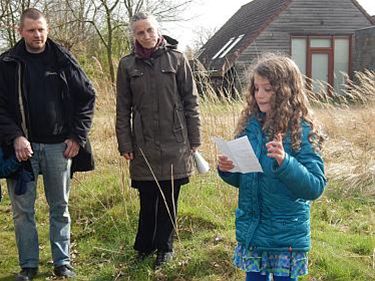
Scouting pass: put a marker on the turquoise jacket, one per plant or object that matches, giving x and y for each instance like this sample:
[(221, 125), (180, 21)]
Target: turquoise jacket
[(274, 206)]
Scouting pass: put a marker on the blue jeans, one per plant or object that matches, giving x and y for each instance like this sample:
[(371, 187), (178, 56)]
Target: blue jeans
[(48, 160), (256, 276)]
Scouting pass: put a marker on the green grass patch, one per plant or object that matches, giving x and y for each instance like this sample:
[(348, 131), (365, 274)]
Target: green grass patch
[(105, 213)]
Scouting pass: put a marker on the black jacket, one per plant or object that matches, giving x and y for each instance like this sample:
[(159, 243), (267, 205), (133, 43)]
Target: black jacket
[(78, 97)]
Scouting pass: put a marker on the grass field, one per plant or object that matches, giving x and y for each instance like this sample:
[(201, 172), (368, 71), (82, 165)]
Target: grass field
[(104, 208)]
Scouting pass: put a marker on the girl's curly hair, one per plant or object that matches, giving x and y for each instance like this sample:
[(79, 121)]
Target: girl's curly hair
[(289, 105)]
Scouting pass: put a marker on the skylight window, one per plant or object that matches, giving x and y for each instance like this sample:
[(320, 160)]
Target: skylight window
[(231, 46), (223, 48)]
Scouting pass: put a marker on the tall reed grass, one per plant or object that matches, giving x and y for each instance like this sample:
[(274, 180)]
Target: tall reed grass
[(346, 118)]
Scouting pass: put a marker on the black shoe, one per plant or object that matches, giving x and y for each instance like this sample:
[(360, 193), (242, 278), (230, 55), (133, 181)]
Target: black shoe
[(27, 273), (162, 258), (141, 256), (64, 271)]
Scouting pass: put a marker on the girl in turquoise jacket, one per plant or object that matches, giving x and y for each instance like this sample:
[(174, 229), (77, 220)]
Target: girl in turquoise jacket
[(273, 214)]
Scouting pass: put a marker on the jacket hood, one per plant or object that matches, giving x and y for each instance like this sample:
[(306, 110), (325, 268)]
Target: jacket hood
[(170, 42)]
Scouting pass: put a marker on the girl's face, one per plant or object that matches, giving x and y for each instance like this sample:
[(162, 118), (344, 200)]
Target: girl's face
[(263, 93)]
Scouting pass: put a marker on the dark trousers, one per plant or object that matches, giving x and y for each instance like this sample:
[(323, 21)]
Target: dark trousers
[(155, 228), (256, 276)]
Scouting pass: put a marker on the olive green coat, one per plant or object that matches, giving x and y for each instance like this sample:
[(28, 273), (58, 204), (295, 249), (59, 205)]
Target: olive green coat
[(157, 114)]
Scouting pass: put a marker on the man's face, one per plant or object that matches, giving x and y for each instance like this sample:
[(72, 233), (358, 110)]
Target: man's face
[(35, 34)]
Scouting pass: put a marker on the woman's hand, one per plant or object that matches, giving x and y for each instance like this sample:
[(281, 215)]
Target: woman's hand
[(225, 164), (128, 156), (275, 149)]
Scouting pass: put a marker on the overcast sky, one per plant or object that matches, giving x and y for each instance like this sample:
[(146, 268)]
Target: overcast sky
[(214, 13)]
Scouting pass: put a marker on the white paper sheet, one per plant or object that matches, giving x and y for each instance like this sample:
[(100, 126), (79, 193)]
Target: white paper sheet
[(241, 153)]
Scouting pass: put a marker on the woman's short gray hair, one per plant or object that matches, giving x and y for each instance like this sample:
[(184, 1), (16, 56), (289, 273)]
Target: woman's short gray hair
[(142, 16)]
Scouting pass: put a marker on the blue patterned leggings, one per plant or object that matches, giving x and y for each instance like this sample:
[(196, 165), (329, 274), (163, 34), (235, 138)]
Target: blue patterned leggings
[(256, 276)]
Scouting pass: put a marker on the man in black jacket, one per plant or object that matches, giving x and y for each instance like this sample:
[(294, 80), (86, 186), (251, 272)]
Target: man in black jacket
[(46, 109)]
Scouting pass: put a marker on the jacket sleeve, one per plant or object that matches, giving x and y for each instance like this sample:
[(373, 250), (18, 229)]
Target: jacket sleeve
[(230, 178), (189, 97), (9, 130), (83, 95), (303, 174), (123, 110)]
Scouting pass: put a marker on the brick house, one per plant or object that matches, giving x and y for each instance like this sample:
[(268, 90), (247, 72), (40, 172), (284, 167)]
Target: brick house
[(318, 34)]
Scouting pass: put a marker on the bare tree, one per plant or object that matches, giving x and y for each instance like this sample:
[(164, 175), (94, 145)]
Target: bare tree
[(201, 36), (132, 7), (106, 13), (9, 16), (76, 21), (66, 27), (167, 10), (164, 10)]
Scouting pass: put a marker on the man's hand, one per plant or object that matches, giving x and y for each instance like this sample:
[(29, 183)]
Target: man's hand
[(72, 148), (22, 148)]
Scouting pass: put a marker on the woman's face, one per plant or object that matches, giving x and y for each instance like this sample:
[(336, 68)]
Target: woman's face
[(146, 33), (263, 93)]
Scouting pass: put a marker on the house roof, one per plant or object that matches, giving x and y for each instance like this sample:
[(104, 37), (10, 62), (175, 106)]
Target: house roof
[(370, 18), (248, 21), (224, 47)]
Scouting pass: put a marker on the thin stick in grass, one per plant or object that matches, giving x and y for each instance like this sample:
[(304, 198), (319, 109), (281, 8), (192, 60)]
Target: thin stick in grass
[(161, 191)]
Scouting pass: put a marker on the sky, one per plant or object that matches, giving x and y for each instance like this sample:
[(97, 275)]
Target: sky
[(212, 14)]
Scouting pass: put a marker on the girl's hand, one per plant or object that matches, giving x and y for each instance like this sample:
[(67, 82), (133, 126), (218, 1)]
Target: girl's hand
[(225, 164), (276, 150)]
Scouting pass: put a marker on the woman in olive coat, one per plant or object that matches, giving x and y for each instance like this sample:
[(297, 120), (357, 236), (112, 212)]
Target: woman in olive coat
[(157, 127)]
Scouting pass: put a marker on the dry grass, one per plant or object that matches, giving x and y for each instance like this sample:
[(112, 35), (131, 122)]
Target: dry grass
[(350, 147), (346, 119)]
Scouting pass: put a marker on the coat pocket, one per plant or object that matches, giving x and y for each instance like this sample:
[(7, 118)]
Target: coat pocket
[(242, 225), (168, 70), (291, 232), (136, 81), (179, 128), (138, 128), (135, 73)]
